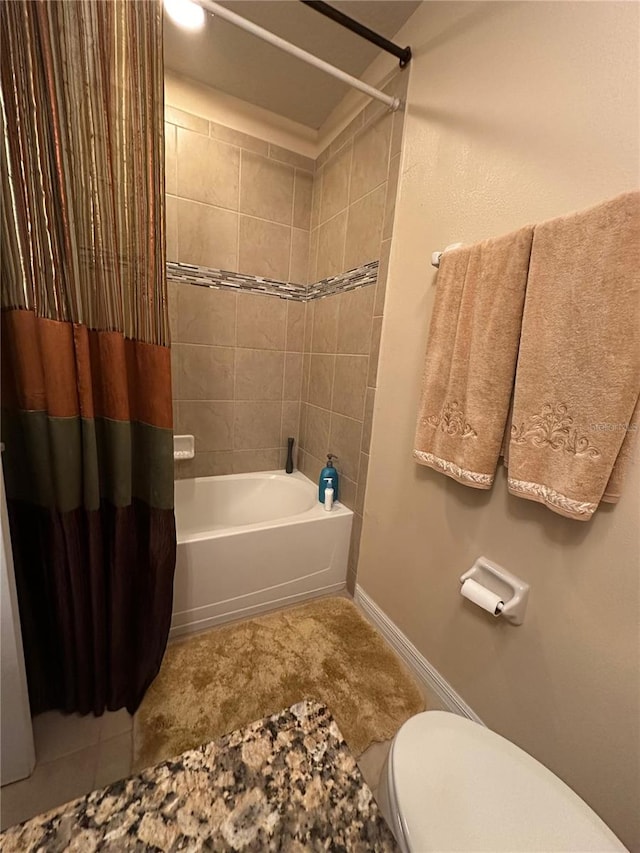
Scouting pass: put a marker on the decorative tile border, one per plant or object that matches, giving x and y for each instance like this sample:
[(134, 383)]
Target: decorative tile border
[(350, 280), (225, 280)]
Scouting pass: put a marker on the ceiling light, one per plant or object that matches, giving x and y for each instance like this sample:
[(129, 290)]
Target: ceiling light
[(185, 13)]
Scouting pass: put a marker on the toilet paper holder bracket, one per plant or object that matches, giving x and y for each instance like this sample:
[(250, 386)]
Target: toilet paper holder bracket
[(511, 589)]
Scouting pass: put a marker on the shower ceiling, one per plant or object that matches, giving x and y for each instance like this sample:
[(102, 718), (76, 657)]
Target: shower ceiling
[(233, 61)]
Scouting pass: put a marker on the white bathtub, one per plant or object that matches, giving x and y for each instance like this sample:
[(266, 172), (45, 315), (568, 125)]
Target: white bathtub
[(252, 542)]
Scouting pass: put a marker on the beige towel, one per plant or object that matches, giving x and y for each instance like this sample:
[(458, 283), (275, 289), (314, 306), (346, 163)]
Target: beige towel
[(578, 375), (471, 358)]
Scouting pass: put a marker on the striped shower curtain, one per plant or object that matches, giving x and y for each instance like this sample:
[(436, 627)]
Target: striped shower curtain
[(86, 383)]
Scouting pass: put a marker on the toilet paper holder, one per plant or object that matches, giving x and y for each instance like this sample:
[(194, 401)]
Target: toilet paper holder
[(513, 591)]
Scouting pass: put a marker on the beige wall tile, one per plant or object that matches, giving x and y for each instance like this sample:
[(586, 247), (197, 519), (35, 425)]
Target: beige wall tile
[(376, 331), (207, 236), (364, 229), (236, 137), (354, 321), (296, 312), (259, 374), (206, 316), (351, 589), (170, 159), (322, 158), (325, 324), (348, 133), (208, 171), (331, 244), (390, 199), (291, 157), (349, 387), (299, 268), (266, 188), (257, 425), (176, 371), (172, 301), (354, 548), (204, 373), (347, 490), (306, 372), (171, 212), (396, 133), (362, 482), (183, 119), (303, 191), (317, 431), (310, 466), (205, 464), (292, 376), (312, 275), (211, 423), (265, 248), (335, 184), (370, 157), (316, 199), (368, 419), (290, 422), (246, 461), (383, 271), (261, 321), (308, 324), (302, 437), (344, 442), (321, 372)]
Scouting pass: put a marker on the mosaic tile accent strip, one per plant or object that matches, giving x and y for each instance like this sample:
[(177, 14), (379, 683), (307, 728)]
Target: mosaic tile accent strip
[(350, 280), (225, 280)]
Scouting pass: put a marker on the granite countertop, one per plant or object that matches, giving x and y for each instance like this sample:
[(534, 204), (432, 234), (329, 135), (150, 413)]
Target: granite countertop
[(285, 783)]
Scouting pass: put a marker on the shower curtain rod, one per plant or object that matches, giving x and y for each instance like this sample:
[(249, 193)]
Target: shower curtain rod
[(237, 20), (402, 53)]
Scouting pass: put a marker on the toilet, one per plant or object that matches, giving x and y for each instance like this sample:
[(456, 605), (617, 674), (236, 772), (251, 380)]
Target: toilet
[(450, 784)]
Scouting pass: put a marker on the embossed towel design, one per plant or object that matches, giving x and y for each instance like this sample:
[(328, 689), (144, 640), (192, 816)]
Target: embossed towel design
[(578, 377), (471, 358)]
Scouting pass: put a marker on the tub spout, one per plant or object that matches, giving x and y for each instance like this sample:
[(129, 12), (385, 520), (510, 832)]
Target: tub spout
[(289, 465)]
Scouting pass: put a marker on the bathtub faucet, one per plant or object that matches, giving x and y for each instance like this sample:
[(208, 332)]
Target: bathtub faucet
[(289, 465)]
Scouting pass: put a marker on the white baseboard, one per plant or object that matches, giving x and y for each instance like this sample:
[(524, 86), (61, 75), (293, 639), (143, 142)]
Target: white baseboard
[(424, 672)]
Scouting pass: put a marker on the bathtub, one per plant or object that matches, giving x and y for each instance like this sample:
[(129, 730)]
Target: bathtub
[(252, 542)]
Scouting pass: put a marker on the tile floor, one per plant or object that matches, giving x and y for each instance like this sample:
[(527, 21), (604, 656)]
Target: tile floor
[(76, 754)]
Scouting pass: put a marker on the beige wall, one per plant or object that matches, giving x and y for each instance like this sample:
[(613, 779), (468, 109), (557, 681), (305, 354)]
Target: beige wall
[(517, 112)]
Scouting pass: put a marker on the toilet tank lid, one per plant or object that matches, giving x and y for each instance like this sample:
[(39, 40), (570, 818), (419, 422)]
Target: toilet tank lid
[(460, 786)]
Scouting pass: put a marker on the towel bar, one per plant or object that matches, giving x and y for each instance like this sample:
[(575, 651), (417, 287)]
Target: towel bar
[(436, 257)]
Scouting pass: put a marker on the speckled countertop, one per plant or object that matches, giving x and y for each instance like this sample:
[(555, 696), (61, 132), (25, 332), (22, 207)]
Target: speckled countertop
[(285, 783)]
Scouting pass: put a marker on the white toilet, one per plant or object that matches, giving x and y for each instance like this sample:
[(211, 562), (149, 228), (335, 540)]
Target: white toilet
[(450, 784)]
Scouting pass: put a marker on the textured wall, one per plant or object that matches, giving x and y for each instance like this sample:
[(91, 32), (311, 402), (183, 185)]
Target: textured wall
[(517, 112)]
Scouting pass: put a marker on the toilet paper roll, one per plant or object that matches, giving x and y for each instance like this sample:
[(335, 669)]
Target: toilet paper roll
[(482, 596)]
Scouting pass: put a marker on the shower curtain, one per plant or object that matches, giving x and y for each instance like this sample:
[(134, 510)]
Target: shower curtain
[(86, 383)]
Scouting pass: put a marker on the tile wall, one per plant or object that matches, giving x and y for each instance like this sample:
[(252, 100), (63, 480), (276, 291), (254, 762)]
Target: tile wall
[(251, 370), (241, 204), (237, 377), (354, 194), (235, 202)]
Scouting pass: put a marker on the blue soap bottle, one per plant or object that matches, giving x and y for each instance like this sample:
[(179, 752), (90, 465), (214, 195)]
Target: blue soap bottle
[(328, 479)]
